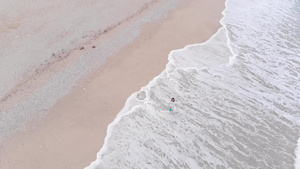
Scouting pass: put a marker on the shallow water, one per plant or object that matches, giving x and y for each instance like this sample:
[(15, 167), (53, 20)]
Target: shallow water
[(237, 99)]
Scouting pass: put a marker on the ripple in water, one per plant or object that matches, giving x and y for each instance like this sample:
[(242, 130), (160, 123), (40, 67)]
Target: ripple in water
[(237, 99)]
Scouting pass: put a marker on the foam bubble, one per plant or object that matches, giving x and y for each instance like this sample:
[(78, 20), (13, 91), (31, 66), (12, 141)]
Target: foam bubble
[(297, 153), (236, 98)]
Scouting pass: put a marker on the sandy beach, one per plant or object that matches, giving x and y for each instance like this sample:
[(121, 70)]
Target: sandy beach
[(74, 130)]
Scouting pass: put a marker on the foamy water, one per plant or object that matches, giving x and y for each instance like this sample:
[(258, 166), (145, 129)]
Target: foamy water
[(237, 99)]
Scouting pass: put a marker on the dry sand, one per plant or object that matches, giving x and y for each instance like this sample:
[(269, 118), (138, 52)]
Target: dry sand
[(74, 130)]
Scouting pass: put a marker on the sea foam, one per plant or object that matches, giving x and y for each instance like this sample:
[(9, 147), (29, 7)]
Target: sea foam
[(237, 98)]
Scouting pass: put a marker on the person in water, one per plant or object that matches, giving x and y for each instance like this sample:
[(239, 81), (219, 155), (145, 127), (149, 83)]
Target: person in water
[(172, 105)]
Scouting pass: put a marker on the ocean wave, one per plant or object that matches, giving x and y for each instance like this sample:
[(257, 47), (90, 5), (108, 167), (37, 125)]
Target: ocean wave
[(237, 99)]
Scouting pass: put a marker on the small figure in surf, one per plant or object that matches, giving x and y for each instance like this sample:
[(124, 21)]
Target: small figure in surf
[(172, 105)]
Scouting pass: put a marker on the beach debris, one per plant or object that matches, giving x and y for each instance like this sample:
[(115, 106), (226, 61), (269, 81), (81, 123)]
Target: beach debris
[(81, 48), (93, 46)]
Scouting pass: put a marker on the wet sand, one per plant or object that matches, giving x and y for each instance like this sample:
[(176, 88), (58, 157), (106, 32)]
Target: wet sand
[(74, 130)]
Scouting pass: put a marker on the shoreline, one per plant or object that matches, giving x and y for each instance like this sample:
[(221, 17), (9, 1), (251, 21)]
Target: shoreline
[(74, 130)]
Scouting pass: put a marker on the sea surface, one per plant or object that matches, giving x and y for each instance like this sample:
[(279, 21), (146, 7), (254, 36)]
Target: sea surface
[(237, 99)]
